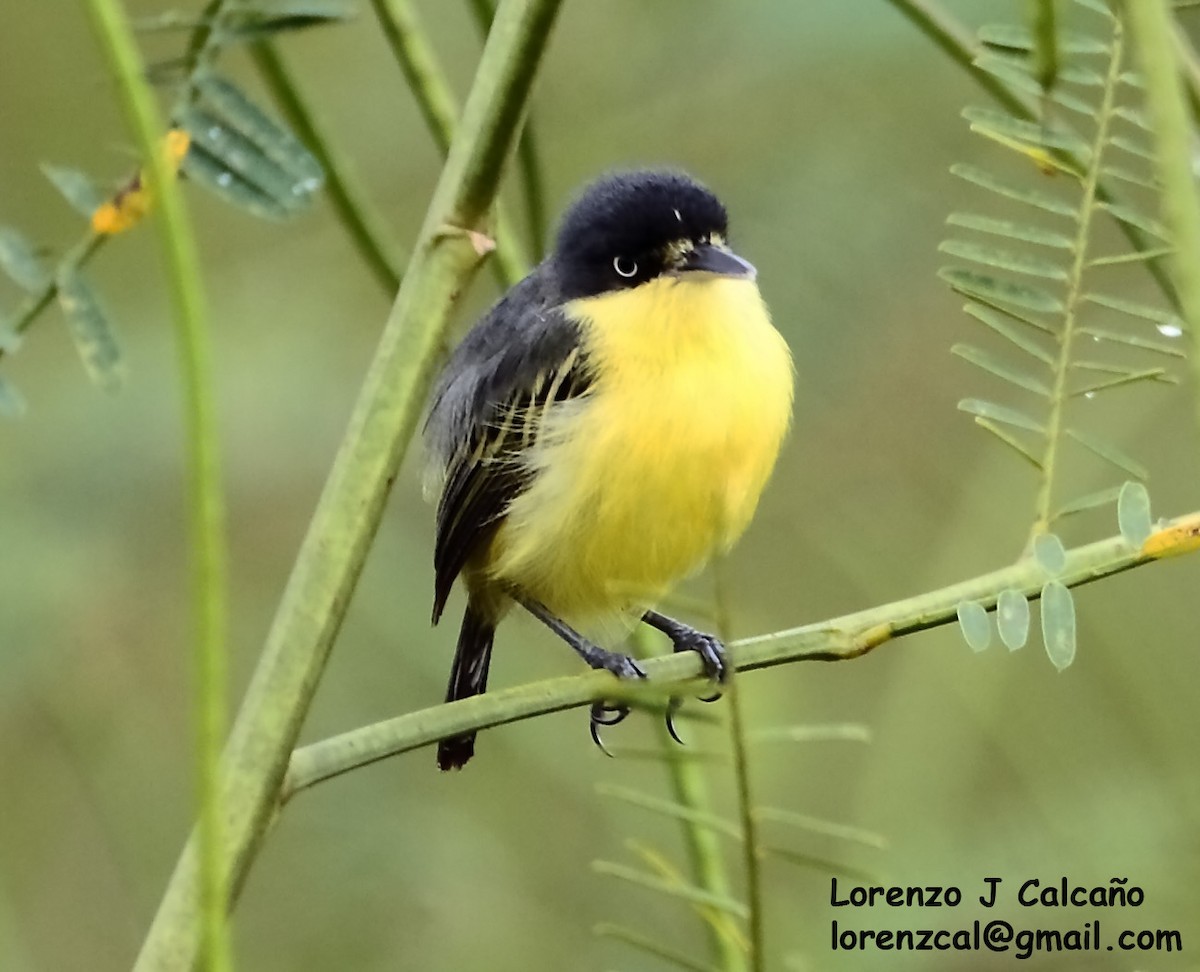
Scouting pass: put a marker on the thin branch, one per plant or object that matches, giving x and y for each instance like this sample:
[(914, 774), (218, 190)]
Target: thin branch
[(529, 157), (838, 639), (1174, 137), (958, 43), (336, 544), (689, 788), (741, 772), (206, 505), (367, 231), (430, 86)]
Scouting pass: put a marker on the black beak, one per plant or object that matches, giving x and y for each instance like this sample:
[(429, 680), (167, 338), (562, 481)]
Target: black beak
[(711, 258)]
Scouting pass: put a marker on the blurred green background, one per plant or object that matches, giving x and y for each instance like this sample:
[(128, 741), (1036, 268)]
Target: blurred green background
[(828, 128)]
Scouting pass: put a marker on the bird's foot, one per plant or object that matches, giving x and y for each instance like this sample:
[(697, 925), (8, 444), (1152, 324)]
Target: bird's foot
[(603, 713)]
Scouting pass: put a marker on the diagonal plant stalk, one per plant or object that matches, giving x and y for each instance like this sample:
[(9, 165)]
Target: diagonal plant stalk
[(368, 231), (1074, 296), (448, 250), (837, 639), (206, 504), (1152, 27), (403, 31), (741, 771), (705, 858), (529, 158)]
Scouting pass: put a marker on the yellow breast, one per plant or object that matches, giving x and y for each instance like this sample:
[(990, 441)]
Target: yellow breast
[(638, 483)]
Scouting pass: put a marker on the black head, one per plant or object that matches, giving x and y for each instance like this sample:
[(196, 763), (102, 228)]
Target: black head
[(630, 227)]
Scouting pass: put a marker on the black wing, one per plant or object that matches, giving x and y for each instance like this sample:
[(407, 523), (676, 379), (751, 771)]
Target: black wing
[(513, 366)]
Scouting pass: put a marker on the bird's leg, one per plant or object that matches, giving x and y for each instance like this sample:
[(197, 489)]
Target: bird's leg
[(686, 638), (622, 666)]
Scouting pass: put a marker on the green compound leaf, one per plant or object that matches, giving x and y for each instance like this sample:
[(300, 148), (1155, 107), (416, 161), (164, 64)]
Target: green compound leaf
[(991, 290), (1050, 554), (19, 259), (12, 403), (1012, 618), (1058, 624), (90, 329), (1133, 513), (75, 187), (974, 624)]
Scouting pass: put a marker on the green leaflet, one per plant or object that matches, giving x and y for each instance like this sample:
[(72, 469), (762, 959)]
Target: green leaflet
[(1050, 554), (76, 188), (1025, 232), (1087, 502), (90, 329), (1145, 344), (1012, 619), (1156, 315), (994, 290), (1133, 513), (672, 889), (974, 624), (1058, 624), (1000, 325), (1014, 38), (824, 828), (1127, 378), (1127, 214), (1010, 440), (1031, 197), (650, 946), (981, 359), (20, 261), (994, 121), (1003, 259), (1000, 413), (1110, 453)]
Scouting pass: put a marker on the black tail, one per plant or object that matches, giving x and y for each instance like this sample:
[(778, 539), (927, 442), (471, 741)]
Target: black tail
[(468, 677)]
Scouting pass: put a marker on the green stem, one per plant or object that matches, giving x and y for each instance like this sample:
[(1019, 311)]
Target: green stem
[(347, 516), (958, 43), (406, 36), (1152, 24), (838, 639), (529, 159), (1087, 205), (689, 788), (741, 772), (367, 231), (206, 506)]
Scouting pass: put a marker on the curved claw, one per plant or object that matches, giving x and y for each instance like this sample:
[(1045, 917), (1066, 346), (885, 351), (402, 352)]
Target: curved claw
[(715, 697), (605, 715), (673, 704)]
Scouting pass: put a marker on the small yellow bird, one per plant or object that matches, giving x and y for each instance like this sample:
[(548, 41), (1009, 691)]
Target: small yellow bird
[(605, 429)]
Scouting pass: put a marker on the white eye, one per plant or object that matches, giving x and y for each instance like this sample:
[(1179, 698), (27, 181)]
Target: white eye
[(624, 266)]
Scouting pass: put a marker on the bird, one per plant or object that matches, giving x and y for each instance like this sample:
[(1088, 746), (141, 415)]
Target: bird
[(604, 430)]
